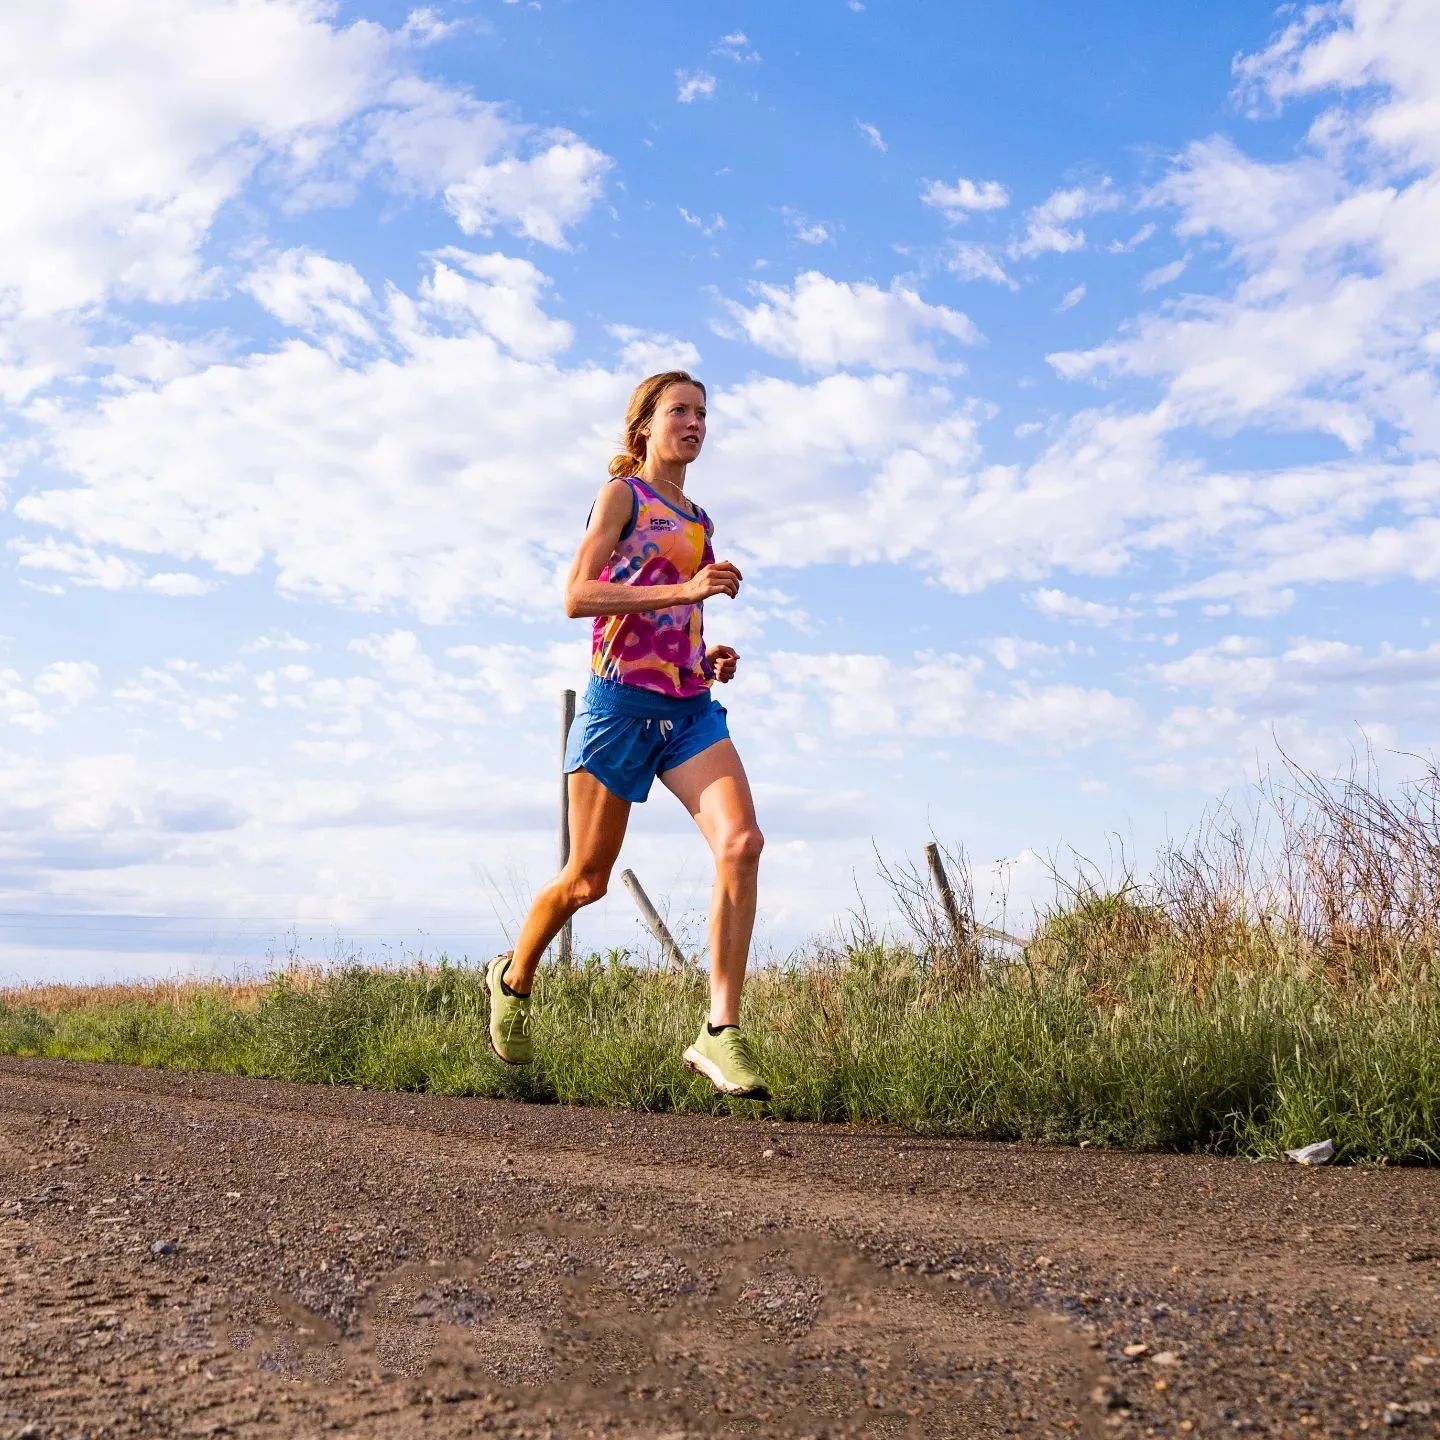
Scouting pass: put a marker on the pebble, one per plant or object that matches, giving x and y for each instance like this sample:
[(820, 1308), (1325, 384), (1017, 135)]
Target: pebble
[(164, 1247)]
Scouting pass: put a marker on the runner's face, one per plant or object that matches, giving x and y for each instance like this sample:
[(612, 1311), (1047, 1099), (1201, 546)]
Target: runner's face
[(677, 430)]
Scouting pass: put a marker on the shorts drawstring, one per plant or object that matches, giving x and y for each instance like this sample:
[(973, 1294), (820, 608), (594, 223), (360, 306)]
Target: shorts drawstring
[(666, 726)]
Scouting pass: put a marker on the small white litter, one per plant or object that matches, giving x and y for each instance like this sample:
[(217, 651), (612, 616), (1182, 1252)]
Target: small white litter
[(1320, 1153)]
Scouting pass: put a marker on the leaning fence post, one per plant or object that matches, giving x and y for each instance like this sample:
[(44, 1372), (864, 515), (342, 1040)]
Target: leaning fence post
[(651, 916), (566, 952), (959, 931)]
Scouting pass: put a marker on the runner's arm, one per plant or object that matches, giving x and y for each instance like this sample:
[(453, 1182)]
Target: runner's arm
[(587, 594)]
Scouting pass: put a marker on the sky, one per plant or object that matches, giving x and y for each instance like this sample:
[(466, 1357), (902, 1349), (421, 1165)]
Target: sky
[(1072, 417)]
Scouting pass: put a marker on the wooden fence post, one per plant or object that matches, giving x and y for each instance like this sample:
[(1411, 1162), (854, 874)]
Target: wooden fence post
[(959, 930), (651, 916), (566, 951)]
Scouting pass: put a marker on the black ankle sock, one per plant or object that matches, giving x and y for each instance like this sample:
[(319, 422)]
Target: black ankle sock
[(517, 994), (716, 1029)]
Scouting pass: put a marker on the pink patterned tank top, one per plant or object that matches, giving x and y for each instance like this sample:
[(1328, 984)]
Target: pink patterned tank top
[(658, 650)]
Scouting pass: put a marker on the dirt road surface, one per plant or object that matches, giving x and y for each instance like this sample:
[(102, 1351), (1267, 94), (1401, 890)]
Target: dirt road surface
[(188, 1255)]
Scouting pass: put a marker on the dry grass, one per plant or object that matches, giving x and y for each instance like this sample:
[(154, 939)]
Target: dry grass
[(57, 999), (1335, 879)]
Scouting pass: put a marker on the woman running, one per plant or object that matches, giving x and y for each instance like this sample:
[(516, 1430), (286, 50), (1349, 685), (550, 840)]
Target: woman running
[(644, 571)]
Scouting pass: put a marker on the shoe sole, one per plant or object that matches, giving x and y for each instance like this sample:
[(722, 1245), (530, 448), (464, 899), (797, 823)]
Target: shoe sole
[(695, 1061), (490, 995)]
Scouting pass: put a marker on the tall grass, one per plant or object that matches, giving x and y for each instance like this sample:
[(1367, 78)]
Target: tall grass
[(1271, 985)]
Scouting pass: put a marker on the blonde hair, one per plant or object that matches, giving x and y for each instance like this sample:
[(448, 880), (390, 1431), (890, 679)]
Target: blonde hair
[(640, 412)]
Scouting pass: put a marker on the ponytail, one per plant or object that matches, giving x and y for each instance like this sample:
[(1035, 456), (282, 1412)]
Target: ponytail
[(638, 415)]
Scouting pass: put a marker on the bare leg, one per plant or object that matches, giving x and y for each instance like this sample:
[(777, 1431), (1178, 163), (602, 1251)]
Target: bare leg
[(713, 788), (597, 830)]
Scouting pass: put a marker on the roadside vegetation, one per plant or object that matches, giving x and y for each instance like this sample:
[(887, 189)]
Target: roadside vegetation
[(1273, 983)]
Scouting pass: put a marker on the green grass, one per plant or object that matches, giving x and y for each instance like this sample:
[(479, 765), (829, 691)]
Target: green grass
[(1250, 1063)]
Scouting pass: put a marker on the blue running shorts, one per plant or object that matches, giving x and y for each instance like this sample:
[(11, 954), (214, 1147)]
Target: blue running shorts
[(625, 736)]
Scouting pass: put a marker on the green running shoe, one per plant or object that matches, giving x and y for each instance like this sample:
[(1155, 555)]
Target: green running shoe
[(725, 1062), (509, 1017)]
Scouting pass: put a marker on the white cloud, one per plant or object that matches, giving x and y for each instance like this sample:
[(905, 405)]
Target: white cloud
[(283, 642), (716, 225), (806, 230), (17, 705), (1124, 247), (964, 197), (1013, 651), (649, 353), (877, 448), (498, 294), (816, 232), (873, 135), (423, 26), (108, 833), (1314, 543), (126, 141), (72, 681), (827, 324), (177, 584), (1164, 274), (539, 197), (1057, 605), (736, 46), (972, 261), (1071, 299), (193, 697), (491, 170), (939, 696), (520, 679), (1390, 44), (66, 684), (692, 85), (1242, 676), (313, 293), (148, 357), (861, 454), (1327, 328), (848, 446), (1050, 226), (368, 483), (81, 564)]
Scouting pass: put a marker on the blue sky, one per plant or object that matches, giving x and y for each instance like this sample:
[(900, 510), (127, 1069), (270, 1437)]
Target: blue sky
[(1073, 418)]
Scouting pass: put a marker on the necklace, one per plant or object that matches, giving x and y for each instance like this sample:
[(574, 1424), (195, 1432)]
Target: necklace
[(679, 492)]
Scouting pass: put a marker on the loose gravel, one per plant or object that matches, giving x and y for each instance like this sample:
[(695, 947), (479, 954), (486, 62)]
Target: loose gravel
[(188, 1255)]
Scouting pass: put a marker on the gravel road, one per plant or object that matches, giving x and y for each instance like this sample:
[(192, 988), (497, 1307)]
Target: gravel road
[(188, 1255)]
